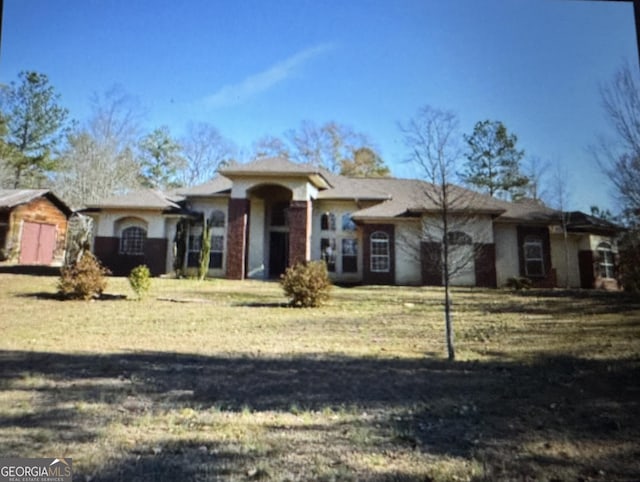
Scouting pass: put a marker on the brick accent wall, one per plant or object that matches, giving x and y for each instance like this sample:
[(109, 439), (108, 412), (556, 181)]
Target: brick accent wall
[(299, 231), (485, 265), (107, 250), (372, 277), (237, 235)]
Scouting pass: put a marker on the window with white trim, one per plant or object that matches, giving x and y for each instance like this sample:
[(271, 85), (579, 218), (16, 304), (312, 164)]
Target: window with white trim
[(349, 255), (533, 257), (328, 222), (217, 252), (605, 261), (217, 219), (194, 246), (132, 240), (328, 253), (380, 259), (347, 222)]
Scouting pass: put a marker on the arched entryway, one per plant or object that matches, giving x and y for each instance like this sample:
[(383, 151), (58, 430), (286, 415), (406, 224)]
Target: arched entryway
[(276, 200)]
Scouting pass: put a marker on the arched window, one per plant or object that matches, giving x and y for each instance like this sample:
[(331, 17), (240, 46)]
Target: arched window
[(533, 256), (347, 222), (217, 219), (132, 240), (328, 222), (380, 252), (605, 260), (459, 237)]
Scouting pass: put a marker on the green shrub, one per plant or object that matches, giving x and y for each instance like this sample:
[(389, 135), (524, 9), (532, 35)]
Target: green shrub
[(307, 284), (84, 279), (519, 283), (140, 280)]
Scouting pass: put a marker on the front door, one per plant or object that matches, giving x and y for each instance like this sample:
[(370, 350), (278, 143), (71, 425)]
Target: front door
[(278, 253)]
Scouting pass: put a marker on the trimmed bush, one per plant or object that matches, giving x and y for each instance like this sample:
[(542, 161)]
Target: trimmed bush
[(519, 283), (140, 280), (84, 279), (307, 284)]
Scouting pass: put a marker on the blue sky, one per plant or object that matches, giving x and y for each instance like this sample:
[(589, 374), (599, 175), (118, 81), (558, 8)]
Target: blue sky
[(260, 67)]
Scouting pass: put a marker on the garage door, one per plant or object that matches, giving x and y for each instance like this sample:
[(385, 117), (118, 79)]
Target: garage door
[(38, 243)]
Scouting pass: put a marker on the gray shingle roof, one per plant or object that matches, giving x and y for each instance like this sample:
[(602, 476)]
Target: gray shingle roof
[(395, 198), (219, 185), (14, 197), (10, 198), (150, 199)]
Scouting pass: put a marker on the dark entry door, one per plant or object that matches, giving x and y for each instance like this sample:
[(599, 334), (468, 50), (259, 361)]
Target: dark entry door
[(278, 253)]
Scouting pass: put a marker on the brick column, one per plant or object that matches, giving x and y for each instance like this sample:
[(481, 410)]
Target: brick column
[(299, 231), (237, 235)]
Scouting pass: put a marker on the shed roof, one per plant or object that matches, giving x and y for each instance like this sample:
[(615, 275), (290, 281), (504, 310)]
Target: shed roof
[(10, 198)]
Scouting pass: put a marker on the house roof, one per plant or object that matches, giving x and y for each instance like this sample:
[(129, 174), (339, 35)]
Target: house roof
[(410, 198), (529, 211), (147, 199), (393, 198), (10, 198), (580, 222), (277, 167), (218, 186)]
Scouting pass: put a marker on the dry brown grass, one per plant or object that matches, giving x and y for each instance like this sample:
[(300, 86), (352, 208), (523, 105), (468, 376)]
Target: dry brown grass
[(233, 385)]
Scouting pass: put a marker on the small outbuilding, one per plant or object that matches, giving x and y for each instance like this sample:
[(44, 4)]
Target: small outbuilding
[(33, 227)]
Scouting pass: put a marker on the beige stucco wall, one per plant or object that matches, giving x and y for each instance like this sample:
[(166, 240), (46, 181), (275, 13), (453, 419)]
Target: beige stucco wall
[(111, 224), (567, 267), (478, 227), (301, 189), (407, 253), (257, 243), (507, 258)]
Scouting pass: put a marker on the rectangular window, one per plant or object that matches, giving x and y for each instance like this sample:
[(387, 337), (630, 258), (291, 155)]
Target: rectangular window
[(193, 254), (533, 257), (349, 255), (217, 250), (605, 256), (380, 252), (328, 253)]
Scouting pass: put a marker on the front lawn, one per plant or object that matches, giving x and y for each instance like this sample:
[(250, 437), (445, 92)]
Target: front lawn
[(220, 380)]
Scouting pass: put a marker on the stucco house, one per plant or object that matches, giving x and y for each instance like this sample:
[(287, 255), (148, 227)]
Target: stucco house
[(33, 227), (271, 213)]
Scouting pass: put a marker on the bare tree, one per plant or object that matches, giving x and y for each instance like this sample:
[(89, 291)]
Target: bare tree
[(205, 151), (619, 156), (560, 196), (433, 140), (537, 170), (99, 158), (328, 145), (270, 146)]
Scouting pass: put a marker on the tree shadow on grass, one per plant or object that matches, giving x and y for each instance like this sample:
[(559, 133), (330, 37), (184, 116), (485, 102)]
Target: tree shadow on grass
[(565, 302), (487, 411)]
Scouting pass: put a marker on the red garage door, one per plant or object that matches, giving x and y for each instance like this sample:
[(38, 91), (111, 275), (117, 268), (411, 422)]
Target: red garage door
[(38, 243)]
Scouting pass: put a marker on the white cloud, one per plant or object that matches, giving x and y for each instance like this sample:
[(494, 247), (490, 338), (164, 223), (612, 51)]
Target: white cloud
[(252, 85)]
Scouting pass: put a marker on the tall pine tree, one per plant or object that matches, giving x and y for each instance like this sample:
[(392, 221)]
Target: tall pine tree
[(493, 161), (35, 125)]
